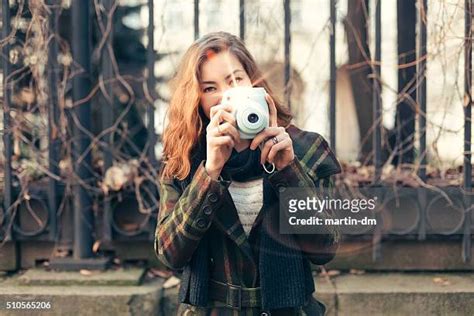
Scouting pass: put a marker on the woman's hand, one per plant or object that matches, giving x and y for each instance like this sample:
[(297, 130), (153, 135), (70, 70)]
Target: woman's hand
[(221, 136), (278, 147)]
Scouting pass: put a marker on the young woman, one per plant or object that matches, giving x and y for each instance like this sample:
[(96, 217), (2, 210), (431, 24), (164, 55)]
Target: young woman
[(219, 212)]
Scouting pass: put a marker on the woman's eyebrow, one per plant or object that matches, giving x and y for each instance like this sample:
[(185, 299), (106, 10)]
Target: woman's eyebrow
[(233, 73), (226, 78)]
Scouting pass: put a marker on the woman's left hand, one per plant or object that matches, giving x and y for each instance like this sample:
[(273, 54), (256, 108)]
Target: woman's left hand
[(278, 147)]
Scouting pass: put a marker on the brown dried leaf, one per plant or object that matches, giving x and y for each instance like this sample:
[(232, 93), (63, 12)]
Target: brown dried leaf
[(438, 280), (95, 246), (104, 188), (330, 273), (87, 272), (171, 282), (115, 178), (467, 100), (160, 273), (61, 253)]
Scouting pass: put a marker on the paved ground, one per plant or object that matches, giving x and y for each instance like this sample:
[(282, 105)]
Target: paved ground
[(127, 292)]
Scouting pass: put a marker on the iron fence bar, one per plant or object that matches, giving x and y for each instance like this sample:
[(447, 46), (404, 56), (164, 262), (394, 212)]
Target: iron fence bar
[(377, 118), (421, 102), (196, 19), (466, 245), (377, 239), (376, 94), (287, 38), (106, 112), (53, 119), (332, 76), (242, 19), (83, 216), (421, 84), (151, 83), (7, 138)]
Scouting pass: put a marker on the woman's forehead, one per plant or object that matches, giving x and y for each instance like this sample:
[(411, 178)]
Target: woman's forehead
[(218, 66)]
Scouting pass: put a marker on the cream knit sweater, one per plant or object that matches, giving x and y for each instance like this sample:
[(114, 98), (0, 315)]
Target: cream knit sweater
[(248, 200)]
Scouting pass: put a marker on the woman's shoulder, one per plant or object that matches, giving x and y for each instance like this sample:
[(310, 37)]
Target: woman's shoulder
[(313, 152)]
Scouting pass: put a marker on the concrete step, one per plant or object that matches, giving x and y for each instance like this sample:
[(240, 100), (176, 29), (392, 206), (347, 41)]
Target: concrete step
[(343, 294), (118, 277), (114, 292), (398, 294)]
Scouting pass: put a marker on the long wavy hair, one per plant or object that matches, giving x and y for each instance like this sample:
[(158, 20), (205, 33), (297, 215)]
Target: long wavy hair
[(185, 121)]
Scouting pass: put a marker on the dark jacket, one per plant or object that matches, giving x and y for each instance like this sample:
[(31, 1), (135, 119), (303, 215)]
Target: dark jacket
[(199, 231)]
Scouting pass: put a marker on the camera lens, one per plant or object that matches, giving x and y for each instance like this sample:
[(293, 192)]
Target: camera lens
[(252, 118)]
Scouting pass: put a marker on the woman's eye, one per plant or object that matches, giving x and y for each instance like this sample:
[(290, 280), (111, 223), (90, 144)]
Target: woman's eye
[(208, 89), (236, 80)]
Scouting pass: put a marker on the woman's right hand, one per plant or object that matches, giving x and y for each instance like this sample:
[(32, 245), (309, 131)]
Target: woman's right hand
[(221, 136)]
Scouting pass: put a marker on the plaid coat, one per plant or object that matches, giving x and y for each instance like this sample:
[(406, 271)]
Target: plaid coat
[(199, 231)]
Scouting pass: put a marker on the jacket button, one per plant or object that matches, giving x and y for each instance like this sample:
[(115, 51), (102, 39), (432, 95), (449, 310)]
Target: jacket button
[(281, 187), (207, 210), (213, 197), (201, 223)]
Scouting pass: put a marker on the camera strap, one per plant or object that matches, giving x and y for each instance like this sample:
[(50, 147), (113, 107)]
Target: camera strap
[(272, 165), (269, 171)]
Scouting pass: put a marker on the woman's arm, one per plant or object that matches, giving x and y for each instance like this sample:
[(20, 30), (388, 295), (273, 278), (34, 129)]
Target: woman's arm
[(185, 216), (319, 248)]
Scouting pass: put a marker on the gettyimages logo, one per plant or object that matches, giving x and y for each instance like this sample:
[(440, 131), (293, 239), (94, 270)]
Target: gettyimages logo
[(320, 204), (362, 210), (311, 213), (328, 206)]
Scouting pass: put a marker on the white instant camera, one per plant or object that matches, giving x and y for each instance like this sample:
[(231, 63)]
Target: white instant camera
[(250, 109)]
